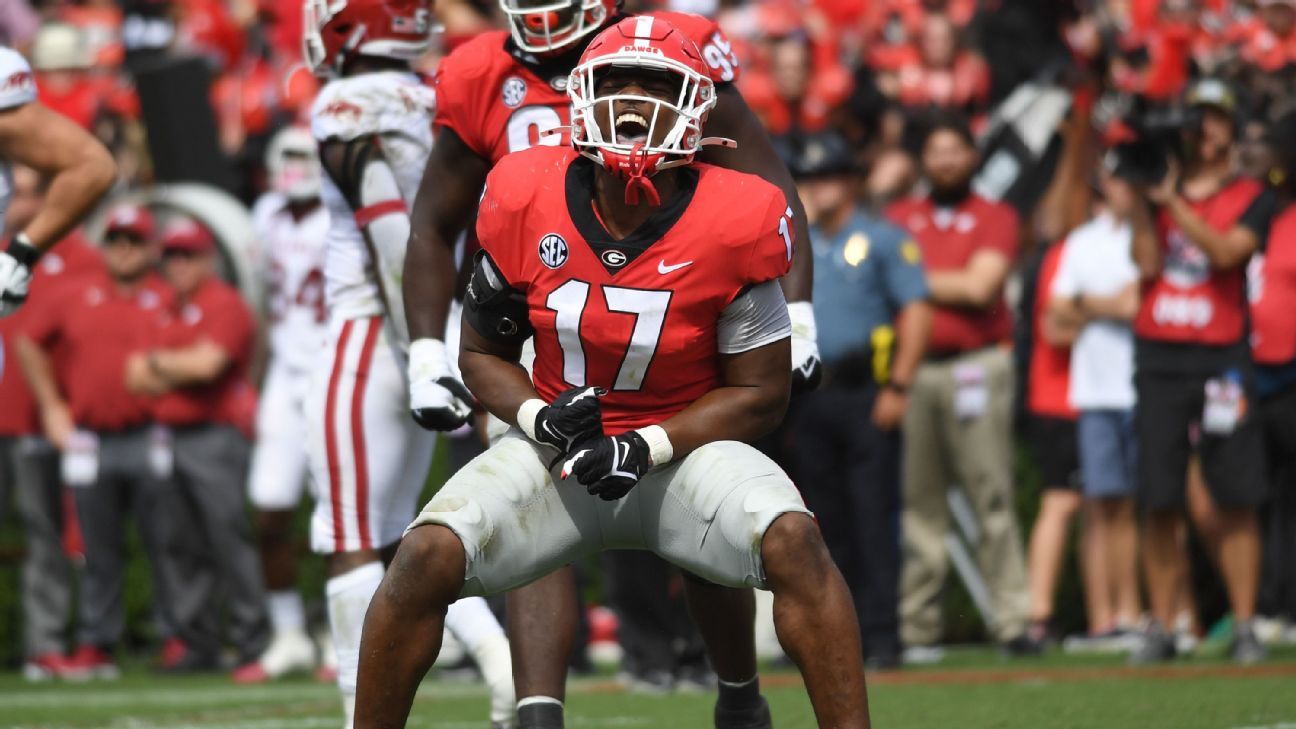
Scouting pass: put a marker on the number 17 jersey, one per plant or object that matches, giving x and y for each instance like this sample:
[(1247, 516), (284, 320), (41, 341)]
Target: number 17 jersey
[(636, 316)]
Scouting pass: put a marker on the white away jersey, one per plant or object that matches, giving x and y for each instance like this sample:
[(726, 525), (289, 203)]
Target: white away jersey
[(291, 257), (397, 107), (17, 87)]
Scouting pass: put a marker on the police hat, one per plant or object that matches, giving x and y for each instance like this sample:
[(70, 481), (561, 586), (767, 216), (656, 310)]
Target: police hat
[(819, 154)]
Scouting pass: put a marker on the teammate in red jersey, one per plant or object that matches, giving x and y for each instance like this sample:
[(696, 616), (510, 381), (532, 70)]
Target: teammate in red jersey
[(661, 337)]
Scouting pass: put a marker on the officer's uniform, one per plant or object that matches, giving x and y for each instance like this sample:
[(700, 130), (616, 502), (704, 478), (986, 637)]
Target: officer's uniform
[(847, 469)]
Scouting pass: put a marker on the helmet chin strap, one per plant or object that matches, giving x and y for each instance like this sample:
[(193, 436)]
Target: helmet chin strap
[(637, 168)]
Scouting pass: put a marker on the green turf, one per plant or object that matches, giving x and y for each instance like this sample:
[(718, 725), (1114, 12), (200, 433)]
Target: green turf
[(972, 690)]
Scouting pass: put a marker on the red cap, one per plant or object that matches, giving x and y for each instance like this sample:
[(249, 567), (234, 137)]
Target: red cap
[(131, 218), (183, 234)]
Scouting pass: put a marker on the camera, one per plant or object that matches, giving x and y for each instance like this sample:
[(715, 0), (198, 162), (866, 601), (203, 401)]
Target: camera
[(1143, 136)]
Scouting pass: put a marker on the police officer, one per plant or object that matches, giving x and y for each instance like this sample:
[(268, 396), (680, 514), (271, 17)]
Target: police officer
[(870, 301)]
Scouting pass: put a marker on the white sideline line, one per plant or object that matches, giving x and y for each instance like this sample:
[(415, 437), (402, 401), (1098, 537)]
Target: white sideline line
[(156, 696), (328, 722)]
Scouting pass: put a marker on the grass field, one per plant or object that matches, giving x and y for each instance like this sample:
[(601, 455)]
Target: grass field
[(972, 690)]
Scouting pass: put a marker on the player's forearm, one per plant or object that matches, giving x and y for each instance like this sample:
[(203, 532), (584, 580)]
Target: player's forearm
[(736, 413), (71, 195), (1145, 248), (913, 331), (428, 285), (500, 385)]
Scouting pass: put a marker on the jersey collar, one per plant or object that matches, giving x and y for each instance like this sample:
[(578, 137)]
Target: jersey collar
[(580, 205)]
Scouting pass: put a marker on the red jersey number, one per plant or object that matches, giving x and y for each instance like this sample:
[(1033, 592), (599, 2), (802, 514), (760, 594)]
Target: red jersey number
[(649, 309)]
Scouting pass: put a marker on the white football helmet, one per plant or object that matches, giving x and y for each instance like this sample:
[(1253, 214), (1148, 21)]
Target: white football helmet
[(292, 164)]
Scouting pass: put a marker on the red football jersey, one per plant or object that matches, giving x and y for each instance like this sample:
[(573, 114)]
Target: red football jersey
[(636, 316), (1272, 279), (498, 103)]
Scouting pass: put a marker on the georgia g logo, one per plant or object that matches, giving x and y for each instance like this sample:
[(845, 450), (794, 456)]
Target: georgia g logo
[(553, 250)]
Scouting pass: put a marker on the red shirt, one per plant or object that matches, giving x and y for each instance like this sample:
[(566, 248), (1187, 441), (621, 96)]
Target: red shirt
[(216, 313), (71, 258), (636, 316), (1050, 366), (1190, 302), (948, 238), (94, 327), (496, 104), (1272, 278)]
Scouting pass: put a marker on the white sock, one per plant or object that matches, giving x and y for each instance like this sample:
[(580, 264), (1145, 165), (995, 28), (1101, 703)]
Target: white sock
[(348, 708), (474, 625), (286, 611), (348, 601)]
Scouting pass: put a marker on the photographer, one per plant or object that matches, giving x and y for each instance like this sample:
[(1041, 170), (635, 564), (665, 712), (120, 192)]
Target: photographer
[(1194, 380)]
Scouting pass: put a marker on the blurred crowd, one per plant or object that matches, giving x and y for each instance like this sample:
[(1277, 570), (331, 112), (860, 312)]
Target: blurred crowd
[(1061, 224)]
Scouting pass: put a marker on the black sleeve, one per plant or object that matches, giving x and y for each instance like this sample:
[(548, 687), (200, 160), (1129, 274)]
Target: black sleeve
[(493, 307), (1260, 215), (345, 163)]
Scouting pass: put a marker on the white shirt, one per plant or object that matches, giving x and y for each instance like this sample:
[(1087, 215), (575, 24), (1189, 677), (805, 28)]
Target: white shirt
[(291, 255), (17, 87), (397, 107), (1096, 261)]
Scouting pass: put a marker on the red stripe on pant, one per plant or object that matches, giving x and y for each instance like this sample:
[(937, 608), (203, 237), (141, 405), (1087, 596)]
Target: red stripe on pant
[(357, 433), (330, 438)]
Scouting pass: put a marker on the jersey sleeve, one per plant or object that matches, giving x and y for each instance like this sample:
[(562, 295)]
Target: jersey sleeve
[(772, 243), (717, 50), (461, 104), (497, 216), (17, 84)]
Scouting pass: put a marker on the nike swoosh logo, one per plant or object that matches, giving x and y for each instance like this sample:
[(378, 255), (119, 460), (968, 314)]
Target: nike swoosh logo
[(663, 269)]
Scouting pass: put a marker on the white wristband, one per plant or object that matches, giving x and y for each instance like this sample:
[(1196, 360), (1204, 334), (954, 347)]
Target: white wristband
[(526, 415), (803, 320), (660, 450)]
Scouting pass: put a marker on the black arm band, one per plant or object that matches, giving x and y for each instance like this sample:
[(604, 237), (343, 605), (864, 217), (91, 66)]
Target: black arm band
[(345, 162), (496, 310)]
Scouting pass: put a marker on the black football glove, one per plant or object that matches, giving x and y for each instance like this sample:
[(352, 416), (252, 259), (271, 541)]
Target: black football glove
[(609, 467), (17, 262), (573, 417)]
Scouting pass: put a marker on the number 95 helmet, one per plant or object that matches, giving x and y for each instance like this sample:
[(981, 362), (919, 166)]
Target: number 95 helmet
[(640, 97), (336, 31)]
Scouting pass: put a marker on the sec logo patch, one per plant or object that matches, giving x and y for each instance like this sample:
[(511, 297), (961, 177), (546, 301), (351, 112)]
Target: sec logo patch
[(514, 92), (553, 250)]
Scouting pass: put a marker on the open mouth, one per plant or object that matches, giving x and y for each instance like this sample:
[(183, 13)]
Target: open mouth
[(631, 128)]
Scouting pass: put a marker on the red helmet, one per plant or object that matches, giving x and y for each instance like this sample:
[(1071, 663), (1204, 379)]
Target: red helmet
[(334, 31), (652, 44), (548, 26)]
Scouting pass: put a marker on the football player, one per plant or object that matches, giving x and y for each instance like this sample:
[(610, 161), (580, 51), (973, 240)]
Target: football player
[(291, 225), (661, 339), (506, 91), (77, 168), (368, 459)]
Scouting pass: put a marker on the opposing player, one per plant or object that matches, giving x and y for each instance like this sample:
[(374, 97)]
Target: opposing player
[(78, 170), (368, 459), (661, 341), (291, 225), (506, 91)]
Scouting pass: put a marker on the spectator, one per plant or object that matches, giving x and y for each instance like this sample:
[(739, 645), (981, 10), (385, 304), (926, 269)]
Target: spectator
[(28, 463), (939, 72), (198, 371), (1194, 375), (873, 320), (1051, 433), (958, 429), (1092, 303), (74, 355), (1273, 347)]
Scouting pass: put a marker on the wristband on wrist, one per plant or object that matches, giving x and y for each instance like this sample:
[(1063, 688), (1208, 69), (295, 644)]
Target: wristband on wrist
[(897, 387), (23, 250), (526, 415), (660, 450)]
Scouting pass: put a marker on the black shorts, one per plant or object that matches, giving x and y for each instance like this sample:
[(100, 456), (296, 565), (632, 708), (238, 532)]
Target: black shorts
[(1054, 442), (1167, 424)]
